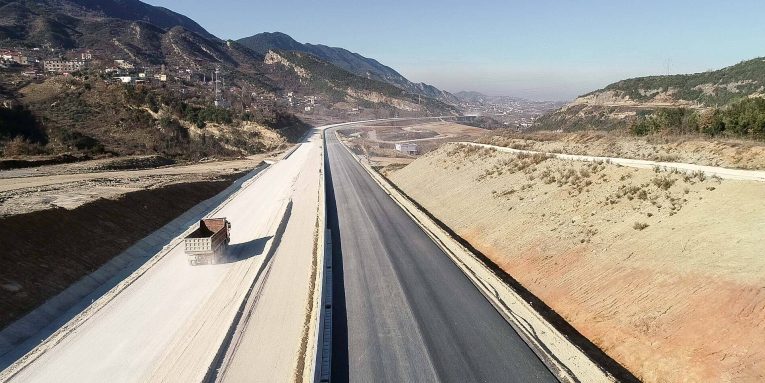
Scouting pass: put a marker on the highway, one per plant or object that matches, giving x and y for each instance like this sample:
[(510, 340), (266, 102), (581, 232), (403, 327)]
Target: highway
[(403, 311)]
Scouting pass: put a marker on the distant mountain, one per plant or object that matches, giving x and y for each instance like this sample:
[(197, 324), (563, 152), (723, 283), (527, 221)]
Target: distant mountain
[(351, 62), (149, 35), (470, 96), (119, 29), (478, 97), (620, 103), (309, 75)]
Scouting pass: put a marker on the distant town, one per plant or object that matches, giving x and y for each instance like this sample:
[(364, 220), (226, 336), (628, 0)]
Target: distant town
[(511, 111)]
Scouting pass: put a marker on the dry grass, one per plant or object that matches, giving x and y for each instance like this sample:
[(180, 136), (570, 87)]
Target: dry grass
[(744, 154)]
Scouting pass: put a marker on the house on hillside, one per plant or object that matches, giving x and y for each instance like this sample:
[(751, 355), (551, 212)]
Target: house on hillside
[(407, 148), (63, 66), (124, 64), (14, 57)]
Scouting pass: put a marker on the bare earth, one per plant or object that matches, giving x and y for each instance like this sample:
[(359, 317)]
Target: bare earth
[(739, 154), (72, 185), (664, 271), (376, 140)]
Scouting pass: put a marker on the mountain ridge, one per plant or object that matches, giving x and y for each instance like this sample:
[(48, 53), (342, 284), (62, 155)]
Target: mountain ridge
[(58, 22), (168, 104), (350, 61)]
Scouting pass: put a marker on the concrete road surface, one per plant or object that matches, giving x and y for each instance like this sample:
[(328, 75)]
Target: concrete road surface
[(267, 349), (167, 325), (409, 314)]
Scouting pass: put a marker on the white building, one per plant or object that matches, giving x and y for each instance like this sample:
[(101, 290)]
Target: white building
[(62, 66), (124, 64), (407, 148)]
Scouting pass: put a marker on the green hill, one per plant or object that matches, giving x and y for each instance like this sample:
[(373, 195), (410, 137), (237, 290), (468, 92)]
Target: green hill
[(711, 88), (727, 101)]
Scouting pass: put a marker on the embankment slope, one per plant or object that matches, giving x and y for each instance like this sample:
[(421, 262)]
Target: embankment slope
[(46, 251), (662, 271)]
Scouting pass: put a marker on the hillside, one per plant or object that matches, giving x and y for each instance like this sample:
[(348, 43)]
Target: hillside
[(69, 23), (307, 74), (89, 112), (351, 62), (627, 102)]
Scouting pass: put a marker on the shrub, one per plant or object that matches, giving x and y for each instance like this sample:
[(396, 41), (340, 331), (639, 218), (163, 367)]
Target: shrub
[(19, 146), (20, 122), (663, 182), (639, 226)]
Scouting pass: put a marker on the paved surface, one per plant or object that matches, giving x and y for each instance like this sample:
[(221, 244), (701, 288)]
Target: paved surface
[(167, 325), (409, 314), (268, 347)]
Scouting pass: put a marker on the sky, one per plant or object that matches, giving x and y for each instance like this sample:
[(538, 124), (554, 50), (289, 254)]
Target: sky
[(542, 49)]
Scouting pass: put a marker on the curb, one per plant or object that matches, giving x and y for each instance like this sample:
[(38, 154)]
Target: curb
[(322, 364)]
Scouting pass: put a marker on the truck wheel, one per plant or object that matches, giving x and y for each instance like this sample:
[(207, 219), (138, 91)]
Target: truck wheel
[(192, 262)]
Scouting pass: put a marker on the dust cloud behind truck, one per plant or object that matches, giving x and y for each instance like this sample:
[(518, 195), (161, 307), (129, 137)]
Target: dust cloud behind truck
[(207, 244)]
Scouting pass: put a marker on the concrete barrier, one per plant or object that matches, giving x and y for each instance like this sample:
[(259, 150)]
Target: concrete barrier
[(322, 363)]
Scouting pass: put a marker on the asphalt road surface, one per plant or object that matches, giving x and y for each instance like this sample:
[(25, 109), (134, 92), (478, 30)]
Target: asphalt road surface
[(403, 310)]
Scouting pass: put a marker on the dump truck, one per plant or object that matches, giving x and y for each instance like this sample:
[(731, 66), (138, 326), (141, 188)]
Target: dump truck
[(208, 243)]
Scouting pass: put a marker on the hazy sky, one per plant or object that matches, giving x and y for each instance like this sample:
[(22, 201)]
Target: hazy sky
[(539, 49)]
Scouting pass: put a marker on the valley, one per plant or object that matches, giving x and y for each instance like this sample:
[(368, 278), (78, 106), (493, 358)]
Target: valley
[(390, 192)]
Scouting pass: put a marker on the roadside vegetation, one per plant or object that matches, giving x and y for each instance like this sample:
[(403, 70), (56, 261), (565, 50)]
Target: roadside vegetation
[(667, 145)]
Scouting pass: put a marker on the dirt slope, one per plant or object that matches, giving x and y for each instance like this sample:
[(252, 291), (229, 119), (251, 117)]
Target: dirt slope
[(79, 241), (663, 271), (729, 153)]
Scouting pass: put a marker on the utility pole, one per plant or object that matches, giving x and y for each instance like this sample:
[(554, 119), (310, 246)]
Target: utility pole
[(216, 91)]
